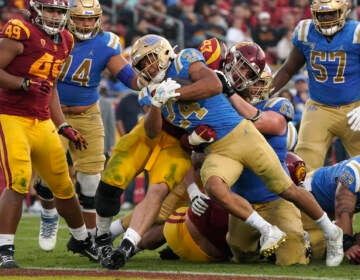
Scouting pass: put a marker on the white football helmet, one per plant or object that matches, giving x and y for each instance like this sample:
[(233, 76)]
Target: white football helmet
[(85, 9), (155, 51), (50, 25), (329, 15)]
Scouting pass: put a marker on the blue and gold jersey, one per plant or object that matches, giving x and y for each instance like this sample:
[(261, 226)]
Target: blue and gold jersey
[(249, 185), (216, 111), (325, 179), (333, 66), (81, 73)]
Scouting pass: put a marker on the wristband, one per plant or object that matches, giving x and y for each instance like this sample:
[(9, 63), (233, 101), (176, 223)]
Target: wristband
[(62, 126), (25, 84), (257, 116), (125, 75), (348, 241)]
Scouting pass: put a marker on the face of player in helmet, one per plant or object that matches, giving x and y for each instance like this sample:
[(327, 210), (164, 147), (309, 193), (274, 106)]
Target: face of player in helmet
[(151, 56), (50, 15), (85, 20), (260, 90), (329, 16), (243, 65)]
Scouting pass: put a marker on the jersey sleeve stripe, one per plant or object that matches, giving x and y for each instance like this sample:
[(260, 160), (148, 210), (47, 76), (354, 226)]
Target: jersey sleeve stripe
[(22, 25), (113, 41), (304, 30), (356, 38), (355, 166)]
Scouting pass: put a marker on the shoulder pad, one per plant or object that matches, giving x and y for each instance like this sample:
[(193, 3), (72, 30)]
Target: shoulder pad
[(113, 41), (280, 105), (16, 29), (356, 38), (302, 30), (352, 173)]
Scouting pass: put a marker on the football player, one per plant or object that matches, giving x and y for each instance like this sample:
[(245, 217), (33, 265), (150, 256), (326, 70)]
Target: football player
[(32, 51), (162, 156), (237, 142), (336, 188), (79, 79), (329, 45), (243, 239)]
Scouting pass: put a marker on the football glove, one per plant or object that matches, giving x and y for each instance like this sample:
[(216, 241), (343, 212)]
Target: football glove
[(164, 92), (198, 199), (354, 119), (36, 85), (73, 135), (144, 98), (202, 134), (227, 88)]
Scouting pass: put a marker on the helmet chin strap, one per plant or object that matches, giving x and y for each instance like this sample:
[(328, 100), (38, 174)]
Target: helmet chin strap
[(330, 31)]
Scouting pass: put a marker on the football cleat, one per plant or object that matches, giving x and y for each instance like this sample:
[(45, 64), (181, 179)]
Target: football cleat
[(83, 247), (7, 257), (119, 257), (334, 249), (271, 241), (103, 244), (48, 232)]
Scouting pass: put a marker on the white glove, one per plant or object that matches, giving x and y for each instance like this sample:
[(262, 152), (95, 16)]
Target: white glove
[(198, 199), (164, 92), (354, 119)]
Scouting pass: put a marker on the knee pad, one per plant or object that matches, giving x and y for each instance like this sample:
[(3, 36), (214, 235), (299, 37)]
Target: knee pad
[(86, 186), (107, 200), (43, 191)]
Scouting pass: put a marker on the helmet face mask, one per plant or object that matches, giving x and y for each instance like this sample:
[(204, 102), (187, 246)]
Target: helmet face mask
[(43, 17), (82, 11), (244, 64), (151, 56), (260, 90), (329, 15)]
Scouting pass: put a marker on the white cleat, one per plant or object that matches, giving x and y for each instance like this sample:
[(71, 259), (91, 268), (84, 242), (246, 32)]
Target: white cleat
[(334, 249), (271, 241), (48, 232)]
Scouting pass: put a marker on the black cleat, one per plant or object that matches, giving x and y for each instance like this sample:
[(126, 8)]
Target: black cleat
[(119, 257), (104, 248), (83, 247), (7, 257)]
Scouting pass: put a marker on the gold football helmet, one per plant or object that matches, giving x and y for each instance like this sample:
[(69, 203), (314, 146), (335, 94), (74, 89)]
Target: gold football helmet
[(85, 9), (260, 90), (149, 51), (329, 15)]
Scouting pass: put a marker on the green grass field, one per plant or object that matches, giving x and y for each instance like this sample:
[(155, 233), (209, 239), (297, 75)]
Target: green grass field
[(29, 255)]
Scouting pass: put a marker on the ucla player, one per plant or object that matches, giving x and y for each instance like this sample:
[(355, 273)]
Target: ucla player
[(336, 188), (79, 79), (32, 51), (329, 45), (162, 156), (236, 144), (242, 238)]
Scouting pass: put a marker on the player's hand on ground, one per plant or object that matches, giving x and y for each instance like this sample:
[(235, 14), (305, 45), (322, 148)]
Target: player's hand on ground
[(73, 135), (353, 254), (36, 85), (354, 119), (164, 92)]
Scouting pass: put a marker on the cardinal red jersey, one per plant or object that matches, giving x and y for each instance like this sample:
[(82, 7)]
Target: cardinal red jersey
[(41, 57)]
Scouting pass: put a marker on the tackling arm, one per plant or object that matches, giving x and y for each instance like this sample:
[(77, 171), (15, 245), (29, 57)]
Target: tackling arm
[(205, 83), (269, 122), (345, 202)]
